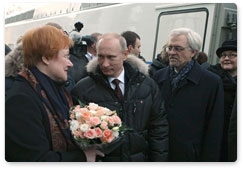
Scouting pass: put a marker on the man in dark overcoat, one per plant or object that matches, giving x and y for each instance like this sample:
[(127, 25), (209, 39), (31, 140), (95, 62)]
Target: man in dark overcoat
[(140, 107), (193, 101)]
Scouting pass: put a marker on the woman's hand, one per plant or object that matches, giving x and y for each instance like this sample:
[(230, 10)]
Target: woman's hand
[(91, 154)]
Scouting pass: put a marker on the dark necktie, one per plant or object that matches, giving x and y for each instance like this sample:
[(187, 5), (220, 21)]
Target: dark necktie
[(117, 89)]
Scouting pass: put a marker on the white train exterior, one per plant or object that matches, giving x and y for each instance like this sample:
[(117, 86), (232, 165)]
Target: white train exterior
[(215, 22)]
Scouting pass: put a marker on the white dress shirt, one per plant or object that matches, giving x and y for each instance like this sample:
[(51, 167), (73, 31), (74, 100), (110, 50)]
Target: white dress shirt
[(89, 56), (121, 78)]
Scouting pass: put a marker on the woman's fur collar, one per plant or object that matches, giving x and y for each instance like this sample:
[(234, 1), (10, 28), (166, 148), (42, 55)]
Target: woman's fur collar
[(134, 61)]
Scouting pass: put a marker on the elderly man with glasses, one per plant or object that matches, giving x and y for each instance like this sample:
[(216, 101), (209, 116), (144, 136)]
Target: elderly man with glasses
[(193, 101)]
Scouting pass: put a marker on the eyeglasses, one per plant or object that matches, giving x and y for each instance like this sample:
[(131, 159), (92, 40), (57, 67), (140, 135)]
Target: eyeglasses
[(176, 48), (230, 55)]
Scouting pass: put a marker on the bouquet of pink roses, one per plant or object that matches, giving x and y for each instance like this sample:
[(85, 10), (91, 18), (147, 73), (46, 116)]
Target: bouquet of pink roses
[(93, 125)]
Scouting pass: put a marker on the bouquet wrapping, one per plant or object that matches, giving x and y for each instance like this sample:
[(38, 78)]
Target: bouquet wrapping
[(94, 125)]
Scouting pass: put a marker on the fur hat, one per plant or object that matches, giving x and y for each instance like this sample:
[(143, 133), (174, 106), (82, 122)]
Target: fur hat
[(227, 45)]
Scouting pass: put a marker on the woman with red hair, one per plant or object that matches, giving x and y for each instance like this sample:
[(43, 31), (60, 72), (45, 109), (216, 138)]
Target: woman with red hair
[(37, 105)]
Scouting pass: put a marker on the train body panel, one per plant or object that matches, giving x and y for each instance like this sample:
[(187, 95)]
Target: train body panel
[(215, 22)]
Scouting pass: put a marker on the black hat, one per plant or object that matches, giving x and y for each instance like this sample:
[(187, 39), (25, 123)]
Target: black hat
[(227, 45)]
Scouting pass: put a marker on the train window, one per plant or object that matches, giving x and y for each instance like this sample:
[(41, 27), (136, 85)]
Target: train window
[(195, 19)]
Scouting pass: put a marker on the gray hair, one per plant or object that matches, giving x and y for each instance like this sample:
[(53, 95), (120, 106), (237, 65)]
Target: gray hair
[(193, 38)]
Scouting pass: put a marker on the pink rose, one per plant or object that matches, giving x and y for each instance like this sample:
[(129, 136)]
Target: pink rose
[(100, 113), (116, 119), (110, 121), (107, 136), (98, 132), (94, 121), (90, 134), (85, 115), (77, 109), (75, 133)]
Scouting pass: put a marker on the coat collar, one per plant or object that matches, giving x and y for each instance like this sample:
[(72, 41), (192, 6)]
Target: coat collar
[(193, 76)]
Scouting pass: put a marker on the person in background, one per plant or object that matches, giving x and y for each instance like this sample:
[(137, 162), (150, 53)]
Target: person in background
[(91, 41), (232, 134), (135, 98), (226, 69), (78, 58), (160, 62), (92, 48), (193, 101), (37, 106), (133, 43), (81, 53), (56, 25), (13, 65), (14, 62), (202, 59), (78, 26)]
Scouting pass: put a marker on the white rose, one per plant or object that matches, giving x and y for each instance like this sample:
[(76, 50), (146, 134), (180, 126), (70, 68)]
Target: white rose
[(78, 115), (103, 117), (74, 125), (93, 106), (116, 134), (106, 110), (93, 112), (115, 129), (84, 127)]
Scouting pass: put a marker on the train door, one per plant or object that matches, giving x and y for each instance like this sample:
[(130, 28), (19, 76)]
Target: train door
[(194, 18)]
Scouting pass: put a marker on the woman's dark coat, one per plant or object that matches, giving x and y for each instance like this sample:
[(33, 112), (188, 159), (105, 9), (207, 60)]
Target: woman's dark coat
[(195, 115), (27, 128), (230, 87), (141, 110), (232, 134)]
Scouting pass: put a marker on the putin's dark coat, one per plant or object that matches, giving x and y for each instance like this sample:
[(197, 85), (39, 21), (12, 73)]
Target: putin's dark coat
[(141, 110)]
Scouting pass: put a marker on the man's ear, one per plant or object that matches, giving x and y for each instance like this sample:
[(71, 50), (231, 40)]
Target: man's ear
[(93, 45), (126, 52), (125, 55), (129, 48), (193, 54), (45, 60)]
